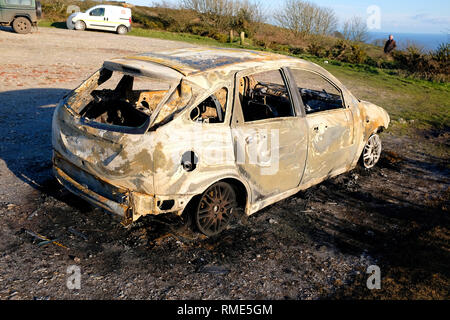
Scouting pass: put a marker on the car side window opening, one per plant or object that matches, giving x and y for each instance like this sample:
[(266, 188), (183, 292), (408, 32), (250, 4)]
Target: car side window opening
[(264, 96), (317, 93), (212, 109), (99, 12)]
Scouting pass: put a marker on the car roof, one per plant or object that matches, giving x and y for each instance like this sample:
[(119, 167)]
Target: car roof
[(198, 64), (193, 61)]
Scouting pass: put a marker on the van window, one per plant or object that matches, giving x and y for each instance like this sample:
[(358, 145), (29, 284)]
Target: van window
[(99, 12), (19, 2), (264, 95), (211, 110)]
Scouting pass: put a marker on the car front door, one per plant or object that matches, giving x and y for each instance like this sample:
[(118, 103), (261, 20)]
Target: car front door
[(330, 126), (269, 134)]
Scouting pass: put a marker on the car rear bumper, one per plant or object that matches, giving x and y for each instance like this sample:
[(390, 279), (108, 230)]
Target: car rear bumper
[(90, 188), (128, 204)]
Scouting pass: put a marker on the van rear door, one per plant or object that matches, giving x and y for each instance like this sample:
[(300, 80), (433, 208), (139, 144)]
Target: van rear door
[(122, 17)]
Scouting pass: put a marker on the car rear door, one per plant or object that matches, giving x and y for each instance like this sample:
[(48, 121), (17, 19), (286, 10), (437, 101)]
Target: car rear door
[(330, 126), (270, 150)]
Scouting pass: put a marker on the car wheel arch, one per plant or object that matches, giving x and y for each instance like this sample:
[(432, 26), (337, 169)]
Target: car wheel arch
[(242, 192), (21, 16)]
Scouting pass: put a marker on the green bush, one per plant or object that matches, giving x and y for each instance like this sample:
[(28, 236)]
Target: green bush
[(221, 37), (338, 51), (148, 21), (261, 43), (316, 50), (296, 50), (357, 54)]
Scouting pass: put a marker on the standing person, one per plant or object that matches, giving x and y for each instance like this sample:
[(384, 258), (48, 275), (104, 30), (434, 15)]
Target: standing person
[(390, 45)]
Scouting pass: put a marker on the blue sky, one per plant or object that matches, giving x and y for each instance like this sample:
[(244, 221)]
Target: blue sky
[(413, 16)]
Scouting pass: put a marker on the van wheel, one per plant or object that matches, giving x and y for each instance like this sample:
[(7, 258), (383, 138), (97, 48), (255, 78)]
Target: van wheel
[(122, 30), (80, 25), (22, 25), (215, 209)]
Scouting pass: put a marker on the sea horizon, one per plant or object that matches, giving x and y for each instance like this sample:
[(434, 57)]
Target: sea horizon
[(429, 41)]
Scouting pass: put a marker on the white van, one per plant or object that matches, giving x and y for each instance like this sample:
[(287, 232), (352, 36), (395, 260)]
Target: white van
[(102, 17)]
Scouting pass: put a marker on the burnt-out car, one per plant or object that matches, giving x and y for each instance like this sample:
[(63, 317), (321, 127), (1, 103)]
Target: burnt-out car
[(215, 131)]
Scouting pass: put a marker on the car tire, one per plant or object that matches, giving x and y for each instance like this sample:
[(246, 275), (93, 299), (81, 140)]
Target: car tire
[(21, 25), (80, 25), (216, 209), (372, 152), (122, 30)]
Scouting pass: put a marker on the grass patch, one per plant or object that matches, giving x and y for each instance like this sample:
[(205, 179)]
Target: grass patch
[(426, 103)]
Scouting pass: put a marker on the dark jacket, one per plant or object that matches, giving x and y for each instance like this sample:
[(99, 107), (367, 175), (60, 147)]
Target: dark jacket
[(389, 46)]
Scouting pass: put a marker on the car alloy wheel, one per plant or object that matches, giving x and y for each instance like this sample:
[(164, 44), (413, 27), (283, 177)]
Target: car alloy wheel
[(216, 208), (372, 151)]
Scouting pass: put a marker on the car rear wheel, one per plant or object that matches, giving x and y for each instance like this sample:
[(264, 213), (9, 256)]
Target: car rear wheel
[(80, 25), (22, 25), (122, 30), (372, 151), (215, 209)]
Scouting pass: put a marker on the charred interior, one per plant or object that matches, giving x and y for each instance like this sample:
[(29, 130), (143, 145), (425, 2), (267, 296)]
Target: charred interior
[(211, 110), (264, 96), (316, 101), (264, 100), (120, 101)]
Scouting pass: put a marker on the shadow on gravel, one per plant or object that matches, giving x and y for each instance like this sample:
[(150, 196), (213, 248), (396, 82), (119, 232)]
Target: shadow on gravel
[(59, 25), (25, 128), (6, 29), (406, 235)]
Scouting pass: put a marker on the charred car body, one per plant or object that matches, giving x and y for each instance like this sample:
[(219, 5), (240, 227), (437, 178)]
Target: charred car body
[(217, 130)]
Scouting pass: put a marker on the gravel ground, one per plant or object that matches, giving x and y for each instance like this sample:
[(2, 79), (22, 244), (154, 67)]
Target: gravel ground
[(314, 245)]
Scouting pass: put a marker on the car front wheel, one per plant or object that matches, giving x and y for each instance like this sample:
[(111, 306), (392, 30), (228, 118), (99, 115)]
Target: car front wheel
[(372, 151), (215, 209)]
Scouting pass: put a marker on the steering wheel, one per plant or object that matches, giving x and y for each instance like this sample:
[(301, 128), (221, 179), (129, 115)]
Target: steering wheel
[(218, 107)]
